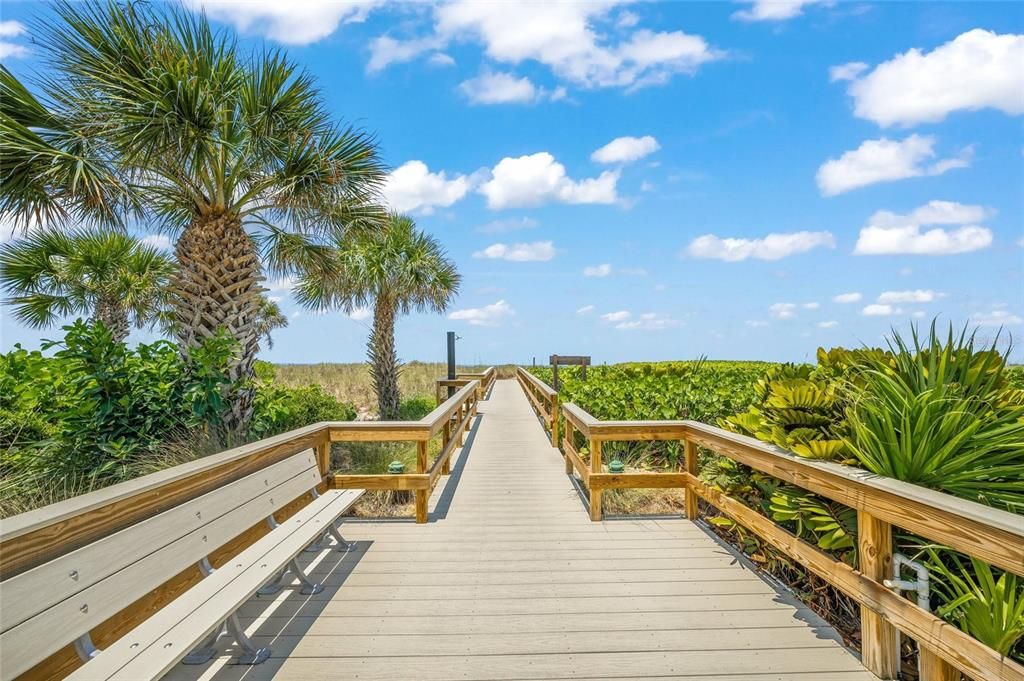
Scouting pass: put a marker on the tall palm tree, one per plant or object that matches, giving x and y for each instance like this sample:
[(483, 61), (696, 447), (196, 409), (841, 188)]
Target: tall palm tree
[(107, 275), (237, 154), (397, 269)]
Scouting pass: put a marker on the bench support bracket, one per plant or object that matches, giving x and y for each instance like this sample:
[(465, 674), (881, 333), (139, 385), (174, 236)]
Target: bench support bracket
[(332, 530), (85, 648), (207, 650), (308, 586)]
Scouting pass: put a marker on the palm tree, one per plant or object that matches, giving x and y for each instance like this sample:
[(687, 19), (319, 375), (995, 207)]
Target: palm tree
[(397, 269), (268, 318), (107, 275), (237, 154)]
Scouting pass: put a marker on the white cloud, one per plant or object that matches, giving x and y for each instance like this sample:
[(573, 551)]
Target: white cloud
[(602, 270), (488, 315), (848, 71), (885, 160), (773, 10), (293, 23), (648, 321), (811, 306), (620, 316), (537, 251), (976, 70), (507, 225), (499, 88), (441, 59), (281, 285), (996, 317), (646, 186), (889, 233), (586, 309), (848, 298), (11, 29), (160, 241), (880, 310), (563, 36), (774, 246), (916, 296), (756, 323), (360, 313), (626, 149), (831, 324), (782, 310), (538, 178), (412, 187)]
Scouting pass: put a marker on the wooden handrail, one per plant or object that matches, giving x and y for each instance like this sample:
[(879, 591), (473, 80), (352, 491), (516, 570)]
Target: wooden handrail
[(544, 400), (485, 377), (983, 532)]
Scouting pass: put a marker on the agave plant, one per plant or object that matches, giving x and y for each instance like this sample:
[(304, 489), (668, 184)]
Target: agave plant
[(938, 414), (151, 112)]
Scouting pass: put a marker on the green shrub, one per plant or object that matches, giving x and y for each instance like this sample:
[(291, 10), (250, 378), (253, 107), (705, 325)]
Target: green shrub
[(279, 409), (416, 407)]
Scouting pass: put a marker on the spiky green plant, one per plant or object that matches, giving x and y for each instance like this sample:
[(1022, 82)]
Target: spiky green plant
[(107, 275), (397, 270), (151, 112), (938, 414)]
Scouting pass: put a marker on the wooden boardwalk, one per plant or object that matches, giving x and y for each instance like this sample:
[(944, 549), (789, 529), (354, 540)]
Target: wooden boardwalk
[(511, 580)]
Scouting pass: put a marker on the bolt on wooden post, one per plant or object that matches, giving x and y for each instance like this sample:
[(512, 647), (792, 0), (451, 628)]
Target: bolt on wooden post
[(879, 639)]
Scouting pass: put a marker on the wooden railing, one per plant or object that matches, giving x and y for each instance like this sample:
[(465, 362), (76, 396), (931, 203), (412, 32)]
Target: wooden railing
[(991, 535), (543, 399), (451, 418), (486, 379)]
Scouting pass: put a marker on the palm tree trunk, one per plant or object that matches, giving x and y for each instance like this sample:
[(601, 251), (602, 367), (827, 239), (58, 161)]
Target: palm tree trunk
[(113, 315), (217, 286), (384, 359)]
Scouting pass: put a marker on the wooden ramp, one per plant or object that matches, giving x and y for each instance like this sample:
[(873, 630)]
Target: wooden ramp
[(511, 580)]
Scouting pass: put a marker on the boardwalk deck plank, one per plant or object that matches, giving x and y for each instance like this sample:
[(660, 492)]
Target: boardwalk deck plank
[(511, 580)]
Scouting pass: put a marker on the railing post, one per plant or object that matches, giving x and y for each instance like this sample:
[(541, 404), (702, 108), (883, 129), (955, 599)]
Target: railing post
[(595, 467), (458, 424), (570, 435), (931, 667), (691, 500), (554, 420), (446, 437), (421, 494), (879, 639)]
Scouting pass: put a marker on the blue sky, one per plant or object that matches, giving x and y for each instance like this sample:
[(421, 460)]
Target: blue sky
[(640, 181)]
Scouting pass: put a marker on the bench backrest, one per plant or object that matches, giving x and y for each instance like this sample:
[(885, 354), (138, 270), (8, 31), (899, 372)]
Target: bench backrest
[(47, 607)]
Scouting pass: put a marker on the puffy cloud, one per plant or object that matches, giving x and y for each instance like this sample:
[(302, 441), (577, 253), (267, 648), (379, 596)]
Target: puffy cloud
[(853, 297), (293, 23), (811, 306), (976, 70), (774, 246), (831, 324), (499, 88), (560, 35), (917, 296), (538, 178), (281, 285), (782, 310), (880, 310), (360, 314), (441, 59), (889, 233), (848, 71), (12, 29), (885, 160), (773, 10), (997, 317), (602, 270), (626, 149), (160, 241), (488, 315), (585, 310), (648, 321), (412, 187), (508, 225), (620, 316), (537, 251)]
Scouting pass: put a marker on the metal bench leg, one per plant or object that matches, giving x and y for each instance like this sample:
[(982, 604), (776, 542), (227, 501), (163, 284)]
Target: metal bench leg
[(251, 654), (308, 586), (207, 650), (333, 531), (85, 648)]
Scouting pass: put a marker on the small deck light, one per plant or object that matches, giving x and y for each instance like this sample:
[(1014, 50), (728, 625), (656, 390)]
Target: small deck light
[(616, 466), (396, 467)]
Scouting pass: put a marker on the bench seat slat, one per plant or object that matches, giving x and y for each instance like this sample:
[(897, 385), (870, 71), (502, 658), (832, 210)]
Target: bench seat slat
[(156, 645), (40, 636)]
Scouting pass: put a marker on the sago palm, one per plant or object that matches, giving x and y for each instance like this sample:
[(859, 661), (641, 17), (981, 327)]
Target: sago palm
[(397, 269), (109, 276), (234, 153)]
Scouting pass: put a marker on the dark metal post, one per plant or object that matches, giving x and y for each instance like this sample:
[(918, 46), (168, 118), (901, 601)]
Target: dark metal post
[(451, 361)]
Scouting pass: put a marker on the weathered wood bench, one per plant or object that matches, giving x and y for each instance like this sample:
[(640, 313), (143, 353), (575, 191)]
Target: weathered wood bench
[(49, 606)]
